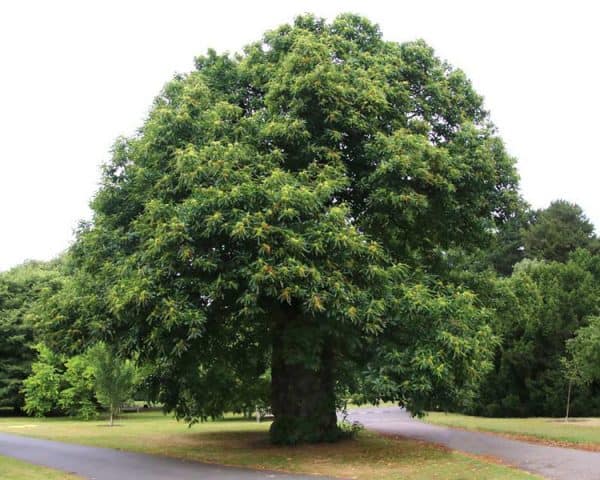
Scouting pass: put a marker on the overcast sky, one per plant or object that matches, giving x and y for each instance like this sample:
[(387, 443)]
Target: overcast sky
[(75, 75)]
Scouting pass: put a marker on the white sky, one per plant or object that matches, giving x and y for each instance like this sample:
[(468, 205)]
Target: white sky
[(75, 75)]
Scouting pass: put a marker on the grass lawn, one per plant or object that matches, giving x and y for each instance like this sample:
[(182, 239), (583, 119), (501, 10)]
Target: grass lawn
[(578, 432), (245, 443), (11, 469)]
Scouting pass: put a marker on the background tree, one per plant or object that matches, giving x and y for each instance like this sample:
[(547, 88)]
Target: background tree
[(537, 310), (59, 385), (582, 363), (508, 244), (77, 397), (114, 378), (42, 387), (557, 231), (283, 209), (534, 311), (20, 288)]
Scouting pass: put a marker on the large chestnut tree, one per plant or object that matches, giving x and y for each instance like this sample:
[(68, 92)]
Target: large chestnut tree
[(283, 212)]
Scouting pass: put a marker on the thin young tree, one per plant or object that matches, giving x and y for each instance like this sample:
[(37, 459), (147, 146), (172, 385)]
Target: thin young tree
[(114, 378)]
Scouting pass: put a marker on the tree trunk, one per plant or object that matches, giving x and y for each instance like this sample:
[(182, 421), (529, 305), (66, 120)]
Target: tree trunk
[(302, 385), (568, 400), (112, 411)]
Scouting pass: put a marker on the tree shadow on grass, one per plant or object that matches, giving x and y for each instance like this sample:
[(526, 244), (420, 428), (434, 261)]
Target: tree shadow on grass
[(235, 438)]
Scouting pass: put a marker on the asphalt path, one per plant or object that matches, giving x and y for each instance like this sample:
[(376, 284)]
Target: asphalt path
[(550, 462), (108, 464)]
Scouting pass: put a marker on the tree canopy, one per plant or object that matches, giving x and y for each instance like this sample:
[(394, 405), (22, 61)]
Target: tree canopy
[(285, 209), (557, 231)]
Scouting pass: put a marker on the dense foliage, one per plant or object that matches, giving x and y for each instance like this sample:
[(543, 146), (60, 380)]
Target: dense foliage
[(19, 290), (558, 230), (537, 311), (42, 388), (583, 353), (79, 385)]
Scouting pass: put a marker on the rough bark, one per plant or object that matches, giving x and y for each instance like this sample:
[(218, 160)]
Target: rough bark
[(302, 392)]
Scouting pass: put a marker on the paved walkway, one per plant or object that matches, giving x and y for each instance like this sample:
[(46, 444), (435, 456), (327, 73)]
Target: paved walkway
[(107, 464), (550, 462)]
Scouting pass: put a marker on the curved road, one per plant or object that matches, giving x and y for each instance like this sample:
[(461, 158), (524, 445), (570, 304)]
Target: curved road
[(550, 462), (108, 464)]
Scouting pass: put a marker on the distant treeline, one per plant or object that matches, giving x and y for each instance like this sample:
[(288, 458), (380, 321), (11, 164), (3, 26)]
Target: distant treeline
[(541, 280)]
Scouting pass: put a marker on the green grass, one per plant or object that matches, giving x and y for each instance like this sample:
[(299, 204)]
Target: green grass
[(234, 441), (11, 469), (578, 432)]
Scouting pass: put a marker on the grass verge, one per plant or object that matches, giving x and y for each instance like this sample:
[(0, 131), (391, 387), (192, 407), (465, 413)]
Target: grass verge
[(245, 443), (11, 469), (583, 433)]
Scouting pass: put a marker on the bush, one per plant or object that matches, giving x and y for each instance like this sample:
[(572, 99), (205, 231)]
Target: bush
[(78, 398), (42, 387), (77, 386)]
